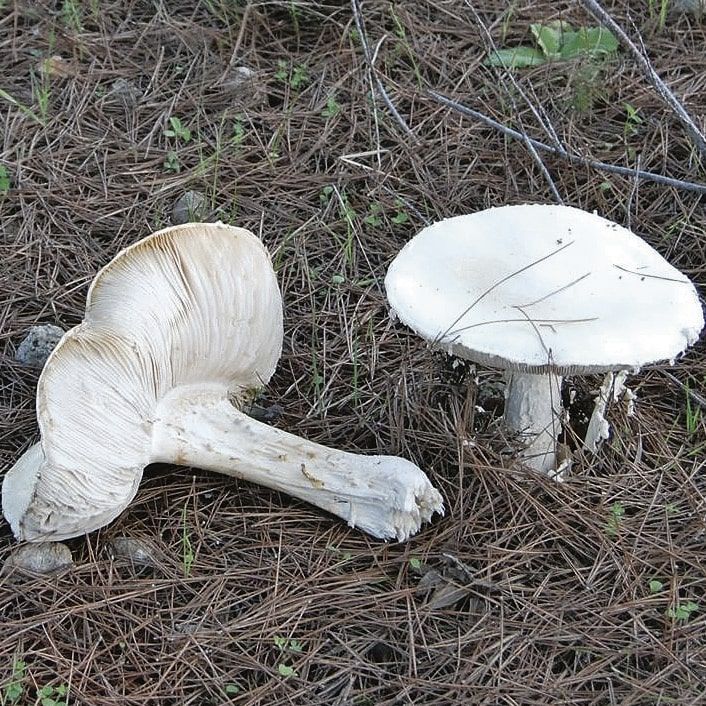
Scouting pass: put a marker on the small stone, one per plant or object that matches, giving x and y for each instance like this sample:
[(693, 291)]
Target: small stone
[(125, 92), (192, 207), (695, 7), (241, 82), (38, 344), (139, 552), (40, 558)]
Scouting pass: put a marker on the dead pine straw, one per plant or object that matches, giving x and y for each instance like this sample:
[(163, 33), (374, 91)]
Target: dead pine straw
[(588, 592)]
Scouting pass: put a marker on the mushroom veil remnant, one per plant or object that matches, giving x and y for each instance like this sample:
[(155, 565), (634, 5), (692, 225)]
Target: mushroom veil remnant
[(179, 329), (542, 291)]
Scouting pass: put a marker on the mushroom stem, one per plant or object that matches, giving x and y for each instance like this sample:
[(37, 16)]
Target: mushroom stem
[(386, 496), (533, 412)]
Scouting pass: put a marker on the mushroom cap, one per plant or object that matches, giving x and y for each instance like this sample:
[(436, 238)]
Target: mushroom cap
[(190, 305), (539, 288)]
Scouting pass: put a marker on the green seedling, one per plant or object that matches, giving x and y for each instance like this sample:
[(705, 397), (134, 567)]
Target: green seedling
[(71, 16), (556, 41), (52, 695), (332, 108), (4, 181), (617, 512), (231, 689), (633, 120), (693, 414), (286, 670), (415, 562), (374, 215), (346, 556), (298, 78), (172, 163), (655, 586), (660, 12), (682, 611), (178, 130), (238, 131), (401, 216), (13, 691)]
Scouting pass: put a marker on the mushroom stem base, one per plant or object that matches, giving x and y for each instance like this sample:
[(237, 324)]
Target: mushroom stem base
[(386, 496), (533, 414)]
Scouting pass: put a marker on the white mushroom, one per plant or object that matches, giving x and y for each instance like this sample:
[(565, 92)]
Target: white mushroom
[(542, 291), (179, 328)]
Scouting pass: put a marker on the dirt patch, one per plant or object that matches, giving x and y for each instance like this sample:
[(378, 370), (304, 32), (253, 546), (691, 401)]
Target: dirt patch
[(579, 593)]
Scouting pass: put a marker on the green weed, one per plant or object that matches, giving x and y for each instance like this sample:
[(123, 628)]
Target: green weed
[(297, 78), (659, 12), (13, 691), (332, 108), (556, 41), (682, 611), (52, 695), (655, 586), (172, 162), (4, 181), (693, 414), (633, 120), (178, 130), (617, 512), (71, 16)]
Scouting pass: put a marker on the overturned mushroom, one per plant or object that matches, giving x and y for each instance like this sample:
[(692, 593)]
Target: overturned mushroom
[(541, 292), (179, 329)]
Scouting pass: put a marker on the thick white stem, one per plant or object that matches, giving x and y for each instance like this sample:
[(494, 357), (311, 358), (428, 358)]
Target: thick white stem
[(385, 496), (533, 413)]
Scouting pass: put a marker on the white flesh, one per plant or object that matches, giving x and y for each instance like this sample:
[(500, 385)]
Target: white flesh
[(533, 413), (386, 496)]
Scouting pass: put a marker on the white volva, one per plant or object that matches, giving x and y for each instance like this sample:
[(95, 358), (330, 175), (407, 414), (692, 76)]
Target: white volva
[(179, 329), (542, 291)]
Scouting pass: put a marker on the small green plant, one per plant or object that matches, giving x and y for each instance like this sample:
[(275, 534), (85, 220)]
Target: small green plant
[(693, 414), (286, 670), (617, 512), (332, 108), (171, 162), (178, 130), (71, 16), (633, 120), (660, 12), (337, 279), (187, 550), (556, 41), (41, 92), (238, 131), (52, 695), (4, 180), (682, 611), (286, 644), (325, 195), (401, 216), (346, 556), (655, 586), (14, 689), (297, 78), (374, 215), (415, 562)]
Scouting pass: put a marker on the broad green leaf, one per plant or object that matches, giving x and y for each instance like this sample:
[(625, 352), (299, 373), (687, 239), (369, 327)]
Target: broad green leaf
[(588, 41), (516, 58), (655, 586), (286, 671), (549, 37)]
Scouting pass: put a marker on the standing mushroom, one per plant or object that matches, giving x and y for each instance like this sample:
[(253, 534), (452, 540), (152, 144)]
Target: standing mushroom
[(542, 291), (179, 329)]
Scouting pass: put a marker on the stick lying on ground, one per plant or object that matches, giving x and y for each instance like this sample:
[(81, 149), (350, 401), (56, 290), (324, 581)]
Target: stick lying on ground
[(179, 329), (565, 154)]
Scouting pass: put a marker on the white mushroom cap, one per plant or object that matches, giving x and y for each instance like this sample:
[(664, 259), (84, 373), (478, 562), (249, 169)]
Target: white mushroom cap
[(191, 304), (539, 288)]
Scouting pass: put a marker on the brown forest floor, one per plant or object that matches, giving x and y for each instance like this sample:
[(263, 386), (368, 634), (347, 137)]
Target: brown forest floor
[(552, 600)]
